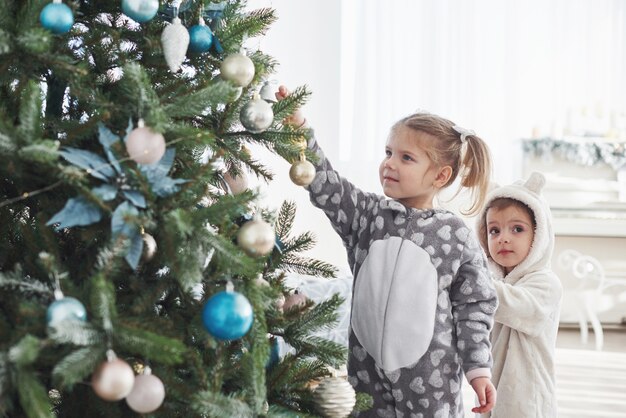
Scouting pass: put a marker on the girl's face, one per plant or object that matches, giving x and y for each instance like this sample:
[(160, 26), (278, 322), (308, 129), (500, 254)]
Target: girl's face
[(510, 234), (407, 174)]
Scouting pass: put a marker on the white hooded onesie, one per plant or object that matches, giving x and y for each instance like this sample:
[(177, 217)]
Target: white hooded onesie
[(527, 318)]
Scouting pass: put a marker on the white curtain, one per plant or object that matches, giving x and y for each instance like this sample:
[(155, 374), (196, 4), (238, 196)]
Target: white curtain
[(506, 69)]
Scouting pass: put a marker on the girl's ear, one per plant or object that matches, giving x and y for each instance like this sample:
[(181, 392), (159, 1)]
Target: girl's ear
[(443, 176)]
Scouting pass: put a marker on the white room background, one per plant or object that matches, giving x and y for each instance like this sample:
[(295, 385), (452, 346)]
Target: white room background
[(506, 69)]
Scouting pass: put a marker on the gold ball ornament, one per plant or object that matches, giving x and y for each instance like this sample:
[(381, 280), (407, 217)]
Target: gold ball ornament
[(237, 68), (334, 397), (302, 172), (256, 237), (113, 380)]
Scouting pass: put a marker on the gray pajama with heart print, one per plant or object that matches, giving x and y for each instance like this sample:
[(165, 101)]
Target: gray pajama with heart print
[(422, 300)]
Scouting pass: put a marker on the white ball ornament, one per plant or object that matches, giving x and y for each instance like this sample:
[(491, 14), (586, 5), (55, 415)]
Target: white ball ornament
[(302, 172), (256, 115), (147, 395), (144, 145), (256, 237), (237, 68), (334, 398), (113, 380)]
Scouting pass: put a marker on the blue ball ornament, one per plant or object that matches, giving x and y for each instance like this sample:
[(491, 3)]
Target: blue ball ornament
[(140, 11), (227, 315), (64, 309), (57, 18), (200, 38)]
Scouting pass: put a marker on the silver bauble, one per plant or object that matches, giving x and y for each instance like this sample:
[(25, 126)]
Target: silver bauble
[(175, 40), (302, 172), (113, 380), (257, 115), (149, 246), (256, 237), (334, 397), (237, 68), (268, 92)]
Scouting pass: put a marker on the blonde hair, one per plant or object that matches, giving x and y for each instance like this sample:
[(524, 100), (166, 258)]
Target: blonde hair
[(470, 158)]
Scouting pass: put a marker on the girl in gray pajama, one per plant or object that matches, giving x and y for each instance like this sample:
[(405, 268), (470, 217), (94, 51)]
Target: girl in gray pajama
[(423, 303)]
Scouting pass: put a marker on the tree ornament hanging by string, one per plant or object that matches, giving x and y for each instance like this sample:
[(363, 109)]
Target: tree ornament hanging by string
[(334, 397), (65, 309), (57, 17), (257, 115), (144, 145), (256, 237), (200, 37), (113, 380), (268, 91), (237, 68), (228, 315), (147, 394), (140, 11), (175, 40), (149, 246), (302, 172)]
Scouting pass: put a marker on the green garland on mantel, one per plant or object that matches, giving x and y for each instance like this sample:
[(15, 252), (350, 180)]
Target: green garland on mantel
[(580, 151)]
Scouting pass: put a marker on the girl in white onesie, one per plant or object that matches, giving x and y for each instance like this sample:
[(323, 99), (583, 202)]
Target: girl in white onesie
[(515, 228)]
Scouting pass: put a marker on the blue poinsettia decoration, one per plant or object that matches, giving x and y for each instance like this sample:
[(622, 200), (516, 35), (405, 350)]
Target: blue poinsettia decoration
[(79, 211)]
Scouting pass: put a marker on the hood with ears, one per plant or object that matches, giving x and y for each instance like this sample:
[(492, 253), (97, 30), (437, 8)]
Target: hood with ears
[(529, 193)]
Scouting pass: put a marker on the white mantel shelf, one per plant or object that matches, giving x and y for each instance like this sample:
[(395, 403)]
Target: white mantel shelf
[(589, 223)]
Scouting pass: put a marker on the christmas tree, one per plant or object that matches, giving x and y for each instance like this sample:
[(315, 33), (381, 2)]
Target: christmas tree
[(138, 274)]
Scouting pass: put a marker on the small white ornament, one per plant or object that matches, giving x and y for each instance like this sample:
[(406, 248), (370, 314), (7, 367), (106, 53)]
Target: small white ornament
[(144, 145), (147, 394), (334, 398), (268, 92), (175, 40), (257, 115), (256, 237), (237, 68), (114, 379)]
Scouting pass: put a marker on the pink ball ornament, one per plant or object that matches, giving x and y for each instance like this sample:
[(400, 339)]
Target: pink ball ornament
[(294, 300), (144, 145), (113, 380), (147, 394)]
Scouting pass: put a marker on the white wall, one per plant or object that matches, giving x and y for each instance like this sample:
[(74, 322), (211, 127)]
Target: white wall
[(306, 42)]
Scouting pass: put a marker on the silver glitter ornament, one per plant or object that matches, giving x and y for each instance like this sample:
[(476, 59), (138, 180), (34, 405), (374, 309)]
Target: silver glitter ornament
[(257, 115), (175, 40)]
